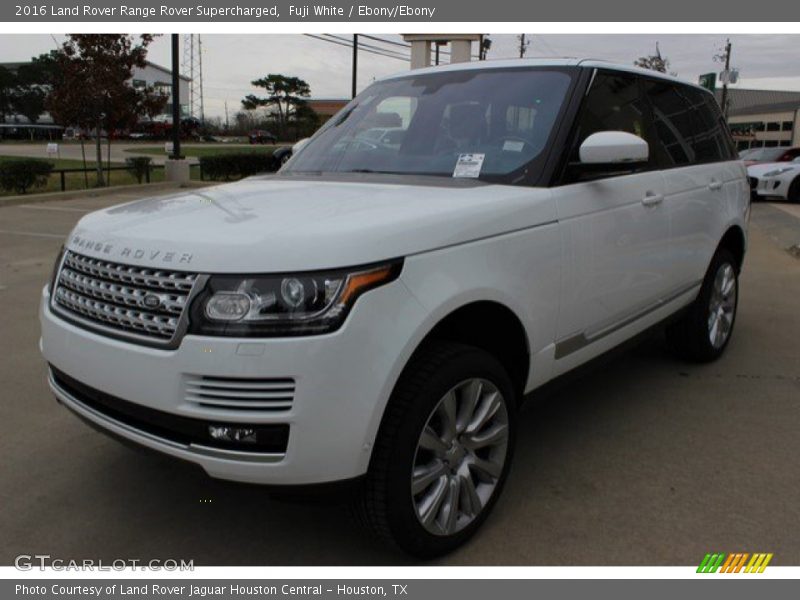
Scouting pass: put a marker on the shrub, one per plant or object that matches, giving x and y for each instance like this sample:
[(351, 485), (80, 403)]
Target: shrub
[(234, 166), (21, 175), (138, 166)]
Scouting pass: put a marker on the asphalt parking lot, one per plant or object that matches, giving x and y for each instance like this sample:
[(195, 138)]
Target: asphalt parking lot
[(647, 461)]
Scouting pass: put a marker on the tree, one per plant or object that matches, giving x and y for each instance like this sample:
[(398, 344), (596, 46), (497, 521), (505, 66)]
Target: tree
[(31, 86), (93, 89), (654, 62), (7, 82), (284, 96)]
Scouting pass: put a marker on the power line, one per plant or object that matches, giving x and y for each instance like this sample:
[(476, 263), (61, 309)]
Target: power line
[(362, 45), (404, 44), (348, 44)]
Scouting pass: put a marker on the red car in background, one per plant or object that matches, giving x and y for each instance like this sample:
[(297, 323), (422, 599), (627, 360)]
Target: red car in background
[(769, 155), (261, 136)]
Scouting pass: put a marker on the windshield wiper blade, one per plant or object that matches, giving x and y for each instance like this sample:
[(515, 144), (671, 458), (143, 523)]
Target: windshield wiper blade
[(373, 171)]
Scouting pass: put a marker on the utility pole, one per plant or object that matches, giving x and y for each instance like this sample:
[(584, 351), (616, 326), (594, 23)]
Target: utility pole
[(726, 79), (355, 62), (176, 98), (227, 124), (725, 58), (523, 44)]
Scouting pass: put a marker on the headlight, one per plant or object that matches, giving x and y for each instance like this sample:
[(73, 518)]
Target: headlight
[(283, 305), (56, 266), (777, 172)]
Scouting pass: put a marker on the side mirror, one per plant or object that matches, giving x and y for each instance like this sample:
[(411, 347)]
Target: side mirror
[(613, 149)]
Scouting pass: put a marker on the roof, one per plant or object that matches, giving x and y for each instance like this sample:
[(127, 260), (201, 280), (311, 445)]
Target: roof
[(750, 102), (543, 62), (13, 66), (166, 70)]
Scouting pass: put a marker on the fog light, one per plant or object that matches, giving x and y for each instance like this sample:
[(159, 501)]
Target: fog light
[(226, 433)]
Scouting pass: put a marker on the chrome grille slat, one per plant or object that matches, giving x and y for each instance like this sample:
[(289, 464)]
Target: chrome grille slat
[(269, 394), (244, 384), (139, 276), (257, 395), (110, 296), (118, 293), (275, 406)]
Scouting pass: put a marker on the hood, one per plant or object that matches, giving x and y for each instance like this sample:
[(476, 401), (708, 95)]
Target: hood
[(277, 224), (760, 169)]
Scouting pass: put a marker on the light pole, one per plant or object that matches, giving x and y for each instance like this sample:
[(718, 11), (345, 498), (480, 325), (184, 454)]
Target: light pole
[(176, 98), (355, 63)]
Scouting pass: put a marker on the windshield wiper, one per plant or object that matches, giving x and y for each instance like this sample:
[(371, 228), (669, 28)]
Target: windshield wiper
[(374, 171)]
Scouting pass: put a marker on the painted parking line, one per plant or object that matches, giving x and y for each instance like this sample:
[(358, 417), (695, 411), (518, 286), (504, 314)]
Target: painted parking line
[(59, 236), (56, 208)]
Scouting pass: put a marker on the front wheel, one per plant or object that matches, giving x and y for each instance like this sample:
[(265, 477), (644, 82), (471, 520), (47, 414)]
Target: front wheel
[(703, 333), (443, 451), (794, 191)]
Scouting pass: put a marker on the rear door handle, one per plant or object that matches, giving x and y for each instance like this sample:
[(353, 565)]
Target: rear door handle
[(715, 185), (651, 199)]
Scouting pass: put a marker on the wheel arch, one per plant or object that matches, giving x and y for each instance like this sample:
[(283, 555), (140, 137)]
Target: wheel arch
[(491, 326), (735, 242)]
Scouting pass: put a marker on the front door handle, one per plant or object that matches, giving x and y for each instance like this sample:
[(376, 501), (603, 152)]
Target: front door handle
[(651, 199), (715, 185)]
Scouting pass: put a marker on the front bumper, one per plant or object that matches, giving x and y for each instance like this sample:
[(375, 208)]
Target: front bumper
[(772, 187), (342, 383)]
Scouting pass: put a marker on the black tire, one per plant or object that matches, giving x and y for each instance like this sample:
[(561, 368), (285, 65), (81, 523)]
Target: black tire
[(690, 336), (385, 503), (794, 191)]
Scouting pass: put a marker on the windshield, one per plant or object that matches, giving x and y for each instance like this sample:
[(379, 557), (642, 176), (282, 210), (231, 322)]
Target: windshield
[(489, 124)]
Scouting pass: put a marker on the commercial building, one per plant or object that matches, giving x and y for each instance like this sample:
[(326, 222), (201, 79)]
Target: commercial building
[(325, 108), (763, 118), (150, 75)]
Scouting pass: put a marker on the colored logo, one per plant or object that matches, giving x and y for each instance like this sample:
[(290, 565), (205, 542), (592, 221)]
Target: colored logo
[(738, 562)]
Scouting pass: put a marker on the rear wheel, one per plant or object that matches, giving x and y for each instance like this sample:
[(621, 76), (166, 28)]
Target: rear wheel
[(705, 330), (443, 451), (794, 191)]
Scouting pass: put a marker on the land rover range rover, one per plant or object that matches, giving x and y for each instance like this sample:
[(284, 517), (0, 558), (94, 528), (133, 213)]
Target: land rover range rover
[(377, 309)]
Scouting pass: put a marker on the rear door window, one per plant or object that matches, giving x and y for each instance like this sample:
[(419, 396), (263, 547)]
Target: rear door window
[(689, 125)]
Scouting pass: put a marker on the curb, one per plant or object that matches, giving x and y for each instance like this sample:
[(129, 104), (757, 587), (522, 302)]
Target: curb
[(98, 192)]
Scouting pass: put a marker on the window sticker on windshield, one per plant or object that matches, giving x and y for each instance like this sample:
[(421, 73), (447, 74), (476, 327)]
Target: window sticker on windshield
[(469, 165), (513, 146)]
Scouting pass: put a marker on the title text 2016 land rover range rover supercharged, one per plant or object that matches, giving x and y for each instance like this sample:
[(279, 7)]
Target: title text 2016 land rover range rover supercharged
[(451, 240)]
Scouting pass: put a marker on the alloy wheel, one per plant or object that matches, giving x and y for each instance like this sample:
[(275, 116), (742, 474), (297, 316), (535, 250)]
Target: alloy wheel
[(460, 456), (722, 305)]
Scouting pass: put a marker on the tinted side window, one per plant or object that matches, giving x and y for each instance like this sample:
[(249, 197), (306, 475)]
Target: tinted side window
[(689, 125), (614, 103), (674, 124), (711, 141)]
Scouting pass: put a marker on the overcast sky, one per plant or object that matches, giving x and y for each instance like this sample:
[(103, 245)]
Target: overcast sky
[(230, 62)]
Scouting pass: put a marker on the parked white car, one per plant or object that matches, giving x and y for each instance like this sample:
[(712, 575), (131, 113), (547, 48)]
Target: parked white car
[(377, 313), (776, 180)]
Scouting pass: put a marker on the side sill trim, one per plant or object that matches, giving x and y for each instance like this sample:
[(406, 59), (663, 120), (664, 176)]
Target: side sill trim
[(579, 341)]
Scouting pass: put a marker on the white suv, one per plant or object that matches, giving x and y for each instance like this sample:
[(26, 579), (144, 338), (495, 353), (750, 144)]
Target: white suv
[(376, 312)]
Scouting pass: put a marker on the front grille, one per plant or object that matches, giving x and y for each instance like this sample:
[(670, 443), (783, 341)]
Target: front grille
[(122, 298), (271, 395), (272, 438)]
